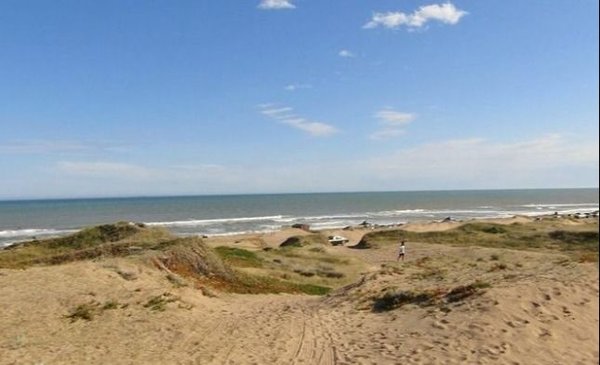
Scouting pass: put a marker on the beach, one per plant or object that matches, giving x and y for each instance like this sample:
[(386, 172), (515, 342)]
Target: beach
[(445, 304), (241, 214)]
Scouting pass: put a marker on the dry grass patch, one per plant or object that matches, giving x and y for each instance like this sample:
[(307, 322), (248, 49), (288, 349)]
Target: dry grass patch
[(159, 303), (547, 234), (439, 297), (108, 240)]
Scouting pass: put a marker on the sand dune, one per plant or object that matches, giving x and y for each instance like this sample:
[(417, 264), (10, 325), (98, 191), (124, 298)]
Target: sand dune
[(540, 309)]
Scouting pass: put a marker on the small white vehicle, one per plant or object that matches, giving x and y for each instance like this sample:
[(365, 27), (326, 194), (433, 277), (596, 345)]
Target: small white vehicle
[(337, 240)]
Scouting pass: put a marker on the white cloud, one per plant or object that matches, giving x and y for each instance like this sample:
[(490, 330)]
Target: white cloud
[(475, 163), (445, 13), (24, 147), (294, 87), (394, 118), (275, 112), (316, 129), (481, 163), (282, 115), (391, 121), (345, 53), (276, 4)]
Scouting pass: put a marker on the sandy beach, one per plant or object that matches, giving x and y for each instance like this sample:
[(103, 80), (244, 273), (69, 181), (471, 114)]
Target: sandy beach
[(445, 304)]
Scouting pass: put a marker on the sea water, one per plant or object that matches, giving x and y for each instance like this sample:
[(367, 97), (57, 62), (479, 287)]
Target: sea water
[(232, 214)]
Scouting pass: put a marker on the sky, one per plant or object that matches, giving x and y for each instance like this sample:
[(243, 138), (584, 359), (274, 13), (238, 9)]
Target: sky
[(142, 98)]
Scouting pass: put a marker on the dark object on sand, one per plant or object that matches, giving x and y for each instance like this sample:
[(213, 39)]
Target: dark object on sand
[(302, 226), (364, 244), (294, 241)]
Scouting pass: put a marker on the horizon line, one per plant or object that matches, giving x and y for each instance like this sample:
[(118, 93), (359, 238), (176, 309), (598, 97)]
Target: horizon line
[(192, 195)]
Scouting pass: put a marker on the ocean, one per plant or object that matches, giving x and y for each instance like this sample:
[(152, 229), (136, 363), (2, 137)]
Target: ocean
[(233, 214)]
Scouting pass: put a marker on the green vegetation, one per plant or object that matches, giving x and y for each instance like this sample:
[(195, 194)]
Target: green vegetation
[(185, 259), (547, 235), (301, 241), (239, 257), (586, 240), (254, 284), (119, 239)]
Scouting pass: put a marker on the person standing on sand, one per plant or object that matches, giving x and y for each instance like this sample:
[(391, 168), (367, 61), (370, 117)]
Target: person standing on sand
[(402, 251)]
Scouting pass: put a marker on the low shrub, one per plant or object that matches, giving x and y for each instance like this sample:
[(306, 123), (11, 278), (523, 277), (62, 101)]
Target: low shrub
[(239, 257), (85, 311), (393, 300)]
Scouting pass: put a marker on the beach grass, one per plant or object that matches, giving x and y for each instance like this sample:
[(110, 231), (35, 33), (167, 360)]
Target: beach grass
[(534, 235), (119, 239), (239, 257)]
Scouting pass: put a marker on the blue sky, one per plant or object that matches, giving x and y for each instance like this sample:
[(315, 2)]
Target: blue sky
[(119, 98)]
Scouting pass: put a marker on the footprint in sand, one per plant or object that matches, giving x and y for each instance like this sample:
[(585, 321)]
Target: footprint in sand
[(544, 333), (584, 301)]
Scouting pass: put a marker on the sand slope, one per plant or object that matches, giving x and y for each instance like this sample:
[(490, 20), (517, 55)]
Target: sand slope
[(541, 309)]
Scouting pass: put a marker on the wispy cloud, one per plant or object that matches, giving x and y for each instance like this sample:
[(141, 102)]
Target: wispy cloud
[(316, 129), (546, 161), (23, 147), (346, 53), (276, 4), (105, 169), (391, 122), (41, 146), (283, 114), (294, 87), (394, 118), (276, 112), (445, 13), (478, 162)]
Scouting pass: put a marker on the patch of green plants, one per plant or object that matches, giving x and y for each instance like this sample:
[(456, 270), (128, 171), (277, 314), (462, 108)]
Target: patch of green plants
[(305, 240), (239, 257), (576, 240), (312, 289), (255, 284), (117, 239), (553, 235)]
